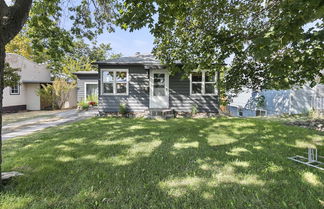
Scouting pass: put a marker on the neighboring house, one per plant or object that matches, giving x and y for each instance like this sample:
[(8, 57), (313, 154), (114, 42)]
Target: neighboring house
[(277, 102), (23, 96), (142, 83)]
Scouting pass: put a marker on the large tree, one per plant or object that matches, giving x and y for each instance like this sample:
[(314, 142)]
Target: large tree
[(46, 29), (267, 42), (12, 19)]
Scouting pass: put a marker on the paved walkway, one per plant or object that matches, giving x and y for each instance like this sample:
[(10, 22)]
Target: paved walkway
[(33, 125)]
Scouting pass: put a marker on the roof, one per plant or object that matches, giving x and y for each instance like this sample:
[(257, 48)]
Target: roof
[(139, 59), (86, 72), (35, 82)]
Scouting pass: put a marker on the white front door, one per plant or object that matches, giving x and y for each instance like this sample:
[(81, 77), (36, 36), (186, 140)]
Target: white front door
[(159, 89)]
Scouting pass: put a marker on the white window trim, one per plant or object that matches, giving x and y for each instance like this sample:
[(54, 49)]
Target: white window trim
[(114, 81), (18, 93), (85, 87), (203, 82), (265, 111)]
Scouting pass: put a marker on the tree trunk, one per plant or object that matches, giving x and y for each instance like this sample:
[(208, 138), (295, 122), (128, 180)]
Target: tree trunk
[(12, 19), (2, 62)]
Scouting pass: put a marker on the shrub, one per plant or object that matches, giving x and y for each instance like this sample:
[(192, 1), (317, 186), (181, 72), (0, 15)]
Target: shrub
[(93, 98), (194, 109), (83, 105), (122, 109), (57, 93)]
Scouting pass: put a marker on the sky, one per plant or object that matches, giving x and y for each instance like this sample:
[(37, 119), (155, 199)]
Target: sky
[(128, 43), (125, 42)]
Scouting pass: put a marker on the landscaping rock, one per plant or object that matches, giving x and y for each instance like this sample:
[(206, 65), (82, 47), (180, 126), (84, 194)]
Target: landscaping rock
[(317, 124)]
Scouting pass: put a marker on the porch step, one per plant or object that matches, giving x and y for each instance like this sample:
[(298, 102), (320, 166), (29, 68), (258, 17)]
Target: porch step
[(162, 113)]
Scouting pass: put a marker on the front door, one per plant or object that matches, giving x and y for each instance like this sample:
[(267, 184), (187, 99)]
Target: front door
[(159, 89)]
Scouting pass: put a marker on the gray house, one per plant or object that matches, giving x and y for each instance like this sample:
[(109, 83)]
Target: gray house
[(142, 83)]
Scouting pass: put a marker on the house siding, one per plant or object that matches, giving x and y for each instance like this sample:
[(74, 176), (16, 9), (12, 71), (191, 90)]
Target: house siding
[(137, 99), (181, 100), (80, 84)]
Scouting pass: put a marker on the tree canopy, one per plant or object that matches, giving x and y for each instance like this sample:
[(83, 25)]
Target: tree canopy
[(267, 42), (46, 30)]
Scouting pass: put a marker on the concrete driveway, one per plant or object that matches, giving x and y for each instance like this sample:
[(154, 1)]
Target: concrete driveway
[(33, 125)]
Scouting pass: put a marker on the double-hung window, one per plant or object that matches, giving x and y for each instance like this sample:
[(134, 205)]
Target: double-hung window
[(203, 83), (114, 82), (15, 90)]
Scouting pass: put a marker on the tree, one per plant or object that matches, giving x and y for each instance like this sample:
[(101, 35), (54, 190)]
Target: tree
[(81, 58), (11, 76), (21, 45), (89, 18), (12, 19), (57, 93), (266, 40)]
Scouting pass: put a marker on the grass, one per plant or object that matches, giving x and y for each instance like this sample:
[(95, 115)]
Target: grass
[(27, 115), (179, 163)]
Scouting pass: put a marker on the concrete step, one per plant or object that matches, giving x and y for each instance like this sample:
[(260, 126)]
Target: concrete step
[(161, 113)]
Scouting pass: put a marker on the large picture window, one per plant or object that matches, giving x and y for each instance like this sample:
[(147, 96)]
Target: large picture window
[(202, 83), (114, 82)]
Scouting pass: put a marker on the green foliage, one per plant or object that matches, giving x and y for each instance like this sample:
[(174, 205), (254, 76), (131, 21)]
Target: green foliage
[(46, 92), (265, 39), (21, 45), (194, 109), (81, 58), (11, 76), (260, 101), (221, 163), (122, 109), (47, 38), (83, 105), (92, 98), (62, 91), (57, 93)]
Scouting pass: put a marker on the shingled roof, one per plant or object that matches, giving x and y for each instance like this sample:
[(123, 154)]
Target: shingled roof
[(139, 59)]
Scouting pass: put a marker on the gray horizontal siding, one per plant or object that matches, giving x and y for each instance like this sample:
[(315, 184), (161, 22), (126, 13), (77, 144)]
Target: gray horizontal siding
[(138, 98), (80, 86), (181, 100)]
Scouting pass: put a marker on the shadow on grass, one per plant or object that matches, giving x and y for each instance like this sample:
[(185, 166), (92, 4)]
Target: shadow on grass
[(180, 163)]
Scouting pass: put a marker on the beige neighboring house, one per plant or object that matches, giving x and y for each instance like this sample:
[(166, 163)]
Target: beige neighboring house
[(24, 96)]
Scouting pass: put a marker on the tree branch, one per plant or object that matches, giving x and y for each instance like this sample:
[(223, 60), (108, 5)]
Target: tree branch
[(14, 19)]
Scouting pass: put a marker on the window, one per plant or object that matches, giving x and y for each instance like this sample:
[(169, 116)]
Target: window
[(261, 113), (15, 90), (91, 89), (159, 84), (202, 83), (115, 82)]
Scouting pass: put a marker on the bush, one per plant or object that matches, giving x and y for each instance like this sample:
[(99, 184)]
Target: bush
[(83, 105), (93, 98), (194, 109), (122, 109)]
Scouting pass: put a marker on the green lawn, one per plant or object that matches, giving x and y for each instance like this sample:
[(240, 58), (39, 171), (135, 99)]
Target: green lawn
[(178, 163)]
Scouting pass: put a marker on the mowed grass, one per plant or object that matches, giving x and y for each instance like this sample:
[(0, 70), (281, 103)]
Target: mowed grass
[(178, 163)]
